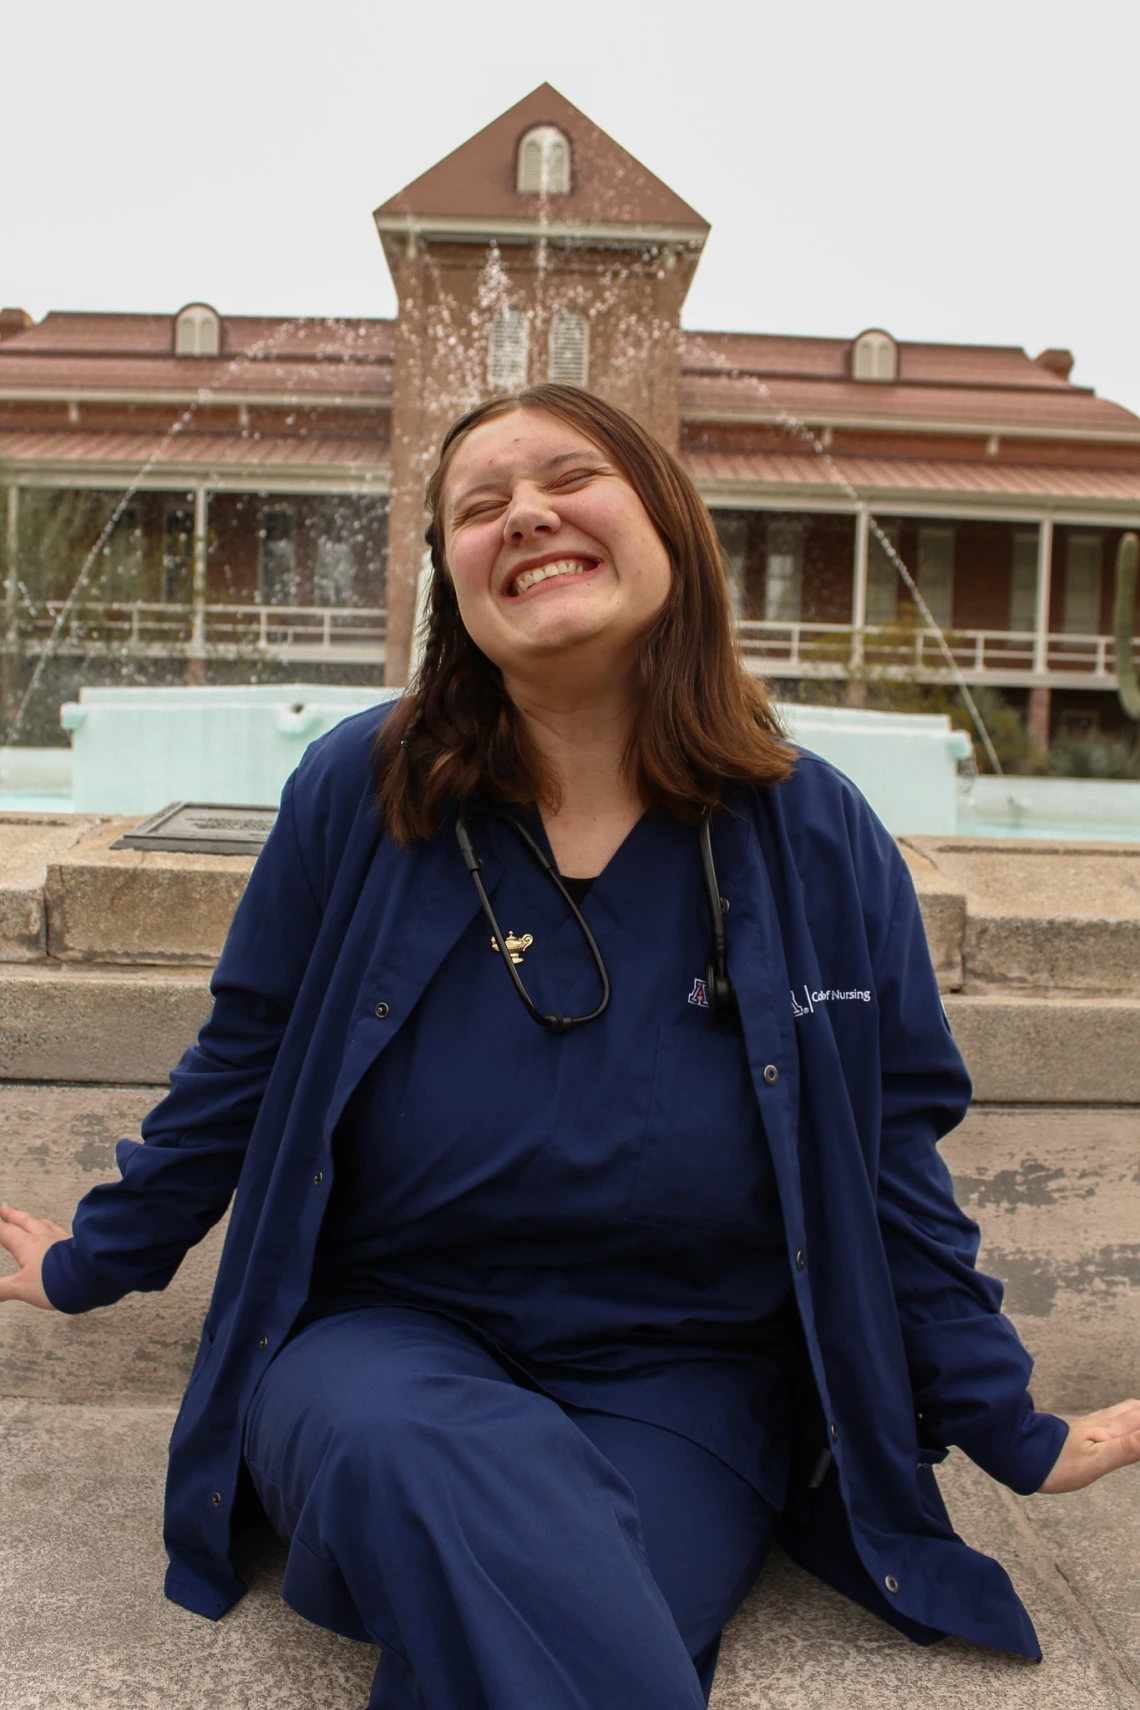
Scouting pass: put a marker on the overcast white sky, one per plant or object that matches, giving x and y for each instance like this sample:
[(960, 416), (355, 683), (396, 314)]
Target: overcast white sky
[(963, 172)]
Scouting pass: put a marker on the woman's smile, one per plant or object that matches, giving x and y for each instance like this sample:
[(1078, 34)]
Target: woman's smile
[(549, 573)]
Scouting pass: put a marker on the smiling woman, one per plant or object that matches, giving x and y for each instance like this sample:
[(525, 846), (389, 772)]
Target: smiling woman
[(568, 546), (530, 1339)]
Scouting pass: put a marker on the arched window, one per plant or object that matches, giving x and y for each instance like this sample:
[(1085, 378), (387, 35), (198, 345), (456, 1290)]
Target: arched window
[(197, 331), (507, 350), (544, 162), (569, 348), (874, 356)]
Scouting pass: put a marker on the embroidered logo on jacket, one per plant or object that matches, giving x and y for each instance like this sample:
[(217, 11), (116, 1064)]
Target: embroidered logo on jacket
[(855, 995), (699, 995)]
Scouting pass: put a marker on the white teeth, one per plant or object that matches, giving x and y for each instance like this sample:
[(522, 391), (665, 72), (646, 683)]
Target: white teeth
[(562, 567)]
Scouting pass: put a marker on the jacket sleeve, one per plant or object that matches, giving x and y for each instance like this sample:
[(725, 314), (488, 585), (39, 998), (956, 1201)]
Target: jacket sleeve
[(134, 1233), (969, 1370)]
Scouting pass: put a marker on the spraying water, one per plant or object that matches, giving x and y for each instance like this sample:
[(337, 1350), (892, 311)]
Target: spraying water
[(455, 376)]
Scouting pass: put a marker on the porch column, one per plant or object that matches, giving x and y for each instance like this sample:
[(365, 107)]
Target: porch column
[(1041, 694), (856, 686), (10, 685), (196, 657)]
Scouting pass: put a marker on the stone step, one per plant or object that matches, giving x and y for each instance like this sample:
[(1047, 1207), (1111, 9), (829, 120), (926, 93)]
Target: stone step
[(1042, 1047), (1034, 915), (1010, 915), (66, 1023), (86, 1626), (1056, 1191), (104, 956)]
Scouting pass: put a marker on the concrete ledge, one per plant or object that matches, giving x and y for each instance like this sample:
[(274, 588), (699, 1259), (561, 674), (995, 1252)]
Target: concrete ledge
[(1049, 1049), (27, 846), (86, 1024), (131, 906)]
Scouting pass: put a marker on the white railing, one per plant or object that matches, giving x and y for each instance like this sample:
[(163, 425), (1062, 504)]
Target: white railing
[(153, 629), (907, 651)]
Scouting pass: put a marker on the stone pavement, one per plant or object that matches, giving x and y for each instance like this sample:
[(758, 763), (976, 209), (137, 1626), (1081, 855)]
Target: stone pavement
[(87, 1407)]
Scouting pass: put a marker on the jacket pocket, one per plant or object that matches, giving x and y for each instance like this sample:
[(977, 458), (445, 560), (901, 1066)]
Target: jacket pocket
[(704, 1161)]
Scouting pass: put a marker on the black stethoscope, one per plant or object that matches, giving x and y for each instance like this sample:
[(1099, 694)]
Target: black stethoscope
[(718, 986)]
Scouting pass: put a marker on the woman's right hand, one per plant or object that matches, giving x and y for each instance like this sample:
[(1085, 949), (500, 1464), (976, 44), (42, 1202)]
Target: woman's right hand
[(27, 1238)]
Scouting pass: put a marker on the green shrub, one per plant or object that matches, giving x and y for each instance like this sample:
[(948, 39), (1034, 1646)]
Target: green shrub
[(1091, 756)]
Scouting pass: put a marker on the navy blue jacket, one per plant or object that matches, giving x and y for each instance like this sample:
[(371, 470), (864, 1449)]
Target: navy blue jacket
[(857, 1076)]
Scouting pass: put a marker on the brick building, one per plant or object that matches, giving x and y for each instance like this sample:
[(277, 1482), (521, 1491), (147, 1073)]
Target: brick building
[(273, 470)]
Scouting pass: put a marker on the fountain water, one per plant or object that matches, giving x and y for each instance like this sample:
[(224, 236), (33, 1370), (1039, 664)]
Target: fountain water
[(454, 378)]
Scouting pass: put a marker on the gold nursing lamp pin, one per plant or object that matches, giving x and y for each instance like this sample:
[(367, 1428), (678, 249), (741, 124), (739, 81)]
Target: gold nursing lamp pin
[(516, 947)]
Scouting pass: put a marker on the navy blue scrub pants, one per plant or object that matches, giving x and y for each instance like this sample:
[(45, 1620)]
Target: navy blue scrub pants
[(505, 1551)]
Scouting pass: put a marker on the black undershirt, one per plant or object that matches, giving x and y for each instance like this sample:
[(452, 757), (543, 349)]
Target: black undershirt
[(578, 888)]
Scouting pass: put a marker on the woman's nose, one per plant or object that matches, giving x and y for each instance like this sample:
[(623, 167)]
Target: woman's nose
[(530, 512)]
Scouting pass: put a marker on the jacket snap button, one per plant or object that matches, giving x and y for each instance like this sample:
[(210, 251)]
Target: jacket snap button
[(216, 1499), (891, 1582), (835, 1433), (771, 1074), (382, 1011), (801, 1261), (318, 1178), (264, 1343)]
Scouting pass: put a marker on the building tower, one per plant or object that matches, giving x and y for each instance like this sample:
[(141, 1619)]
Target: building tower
[(538, 250)]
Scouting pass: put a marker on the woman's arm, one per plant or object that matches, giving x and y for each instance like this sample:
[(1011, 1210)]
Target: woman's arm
[(134, 1233), (969, 1370)]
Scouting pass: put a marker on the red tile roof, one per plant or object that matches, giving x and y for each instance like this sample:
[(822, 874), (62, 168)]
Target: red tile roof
[(830, 358), (998, 387), (608, 186), (912, 476), (259, 354), (309, 453)]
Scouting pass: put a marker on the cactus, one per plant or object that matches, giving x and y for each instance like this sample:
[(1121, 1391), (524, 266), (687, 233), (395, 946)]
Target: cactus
[(1128, 688)]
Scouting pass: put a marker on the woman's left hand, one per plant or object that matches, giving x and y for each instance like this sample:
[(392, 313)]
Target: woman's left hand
[(1096, 1445)]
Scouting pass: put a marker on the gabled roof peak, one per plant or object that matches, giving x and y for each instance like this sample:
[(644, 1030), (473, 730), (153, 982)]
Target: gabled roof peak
[(479, 180)]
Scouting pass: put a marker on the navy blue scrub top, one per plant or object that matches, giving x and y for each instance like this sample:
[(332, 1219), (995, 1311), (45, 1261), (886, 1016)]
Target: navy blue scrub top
[(599, 1206)]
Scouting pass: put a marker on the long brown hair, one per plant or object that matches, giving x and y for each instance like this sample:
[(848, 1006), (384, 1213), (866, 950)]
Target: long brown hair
[(701, 719)]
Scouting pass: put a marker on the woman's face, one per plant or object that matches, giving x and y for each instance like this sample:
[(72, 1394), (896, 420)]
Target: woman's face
[(550, 549)]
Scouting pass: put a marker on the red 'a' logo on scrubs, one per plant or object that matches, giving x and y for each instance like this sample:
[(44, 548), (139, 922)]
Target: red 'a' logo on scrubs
[(699, 995)]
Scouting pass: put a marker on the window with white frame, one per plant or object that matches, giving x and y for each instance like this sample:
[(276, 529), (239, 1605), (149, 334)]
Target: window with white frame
[(875, 356), (334, 569), (882, 577), (278, 579), (1023, 580), (507, 350), (543, 162), (177, 555), (1081, 611), (936, 572), (783, 582), (732, 528), (197, 331), (569, 347)]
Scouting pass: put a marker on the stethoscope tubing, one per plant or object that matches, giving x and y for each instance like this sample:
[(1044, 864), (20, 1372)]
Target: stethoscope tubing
[(555, 1023), (721, 997)]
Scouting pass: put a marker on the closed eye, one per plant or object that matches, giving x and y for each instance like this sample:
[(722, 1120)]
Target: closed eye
[(574, 477), (487, 508)]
